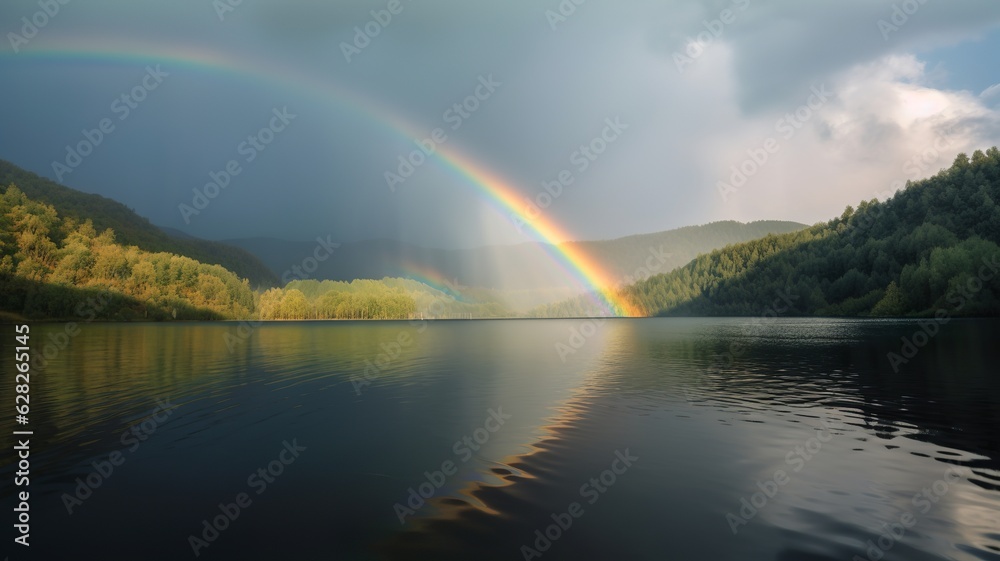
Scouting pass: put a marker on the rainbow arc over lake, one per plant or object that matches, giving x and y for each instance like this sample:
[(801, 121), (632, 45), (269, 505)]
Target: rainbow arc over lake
[(431, 277), (498, 192)]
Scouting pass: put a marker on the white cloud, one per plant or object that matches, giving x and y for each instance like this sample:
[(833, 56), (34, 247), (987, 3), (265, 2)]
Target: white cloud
[(885, 126)]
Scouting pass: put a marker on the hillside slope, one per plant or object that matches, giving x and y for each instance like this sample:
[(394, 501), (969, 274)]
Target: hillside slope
[(930, 249), (130, 228), (57, 267)]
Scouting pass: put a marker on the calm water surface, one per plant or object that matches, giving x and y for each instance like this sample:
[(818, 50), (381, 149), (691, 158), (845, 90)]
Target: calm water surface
[(654, 439)]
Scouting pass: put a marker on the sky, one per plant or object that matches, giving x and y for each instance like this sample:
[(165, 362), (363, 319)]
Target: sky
[(602, 118)]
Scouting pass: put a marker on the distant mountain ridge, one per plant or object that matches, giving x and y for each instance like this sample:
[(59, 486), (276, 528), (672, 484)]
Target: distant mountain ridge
[(133, 229), (515, 267)]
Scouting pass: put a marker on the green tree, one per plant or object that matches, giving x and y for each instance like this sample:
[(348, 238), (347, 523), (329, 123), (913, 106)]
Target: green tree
[(892, 304), (294, 305)]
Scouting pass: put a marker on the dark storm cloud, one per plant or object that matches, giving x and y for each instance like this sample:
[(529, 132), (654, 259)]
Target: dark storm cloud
[(325, 174)]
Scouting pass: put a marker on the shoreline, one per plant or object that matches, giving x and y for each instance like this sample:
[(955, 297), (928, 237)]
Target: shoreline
[(5, 319)]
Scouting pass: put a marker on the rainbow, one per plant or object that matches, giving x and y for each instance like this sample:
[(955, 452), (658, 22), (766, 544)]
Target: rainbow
[(587, 272), (432, 278)]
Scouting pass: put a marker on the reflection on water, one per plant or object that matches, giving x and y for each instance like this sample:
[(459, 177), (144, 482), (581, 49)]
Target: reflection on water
[(380, 407)]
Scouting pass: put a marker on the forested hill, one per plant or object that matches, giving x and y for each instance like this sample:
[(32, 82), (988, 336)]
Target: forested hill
[(57, 267), (931, 248), (132, 229), (625, 257)]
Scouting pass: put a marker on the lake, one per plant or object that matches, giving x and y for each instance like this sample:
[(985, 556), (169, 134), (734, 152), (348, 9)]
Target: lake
[(715, 439)]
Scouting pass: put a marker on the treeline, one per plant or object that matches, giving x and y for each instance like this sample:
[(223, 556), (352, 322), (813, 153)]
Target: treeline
[(389, 298), (52, 266), (932, 246), (47, 261), (131, 229), (368, 300)]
